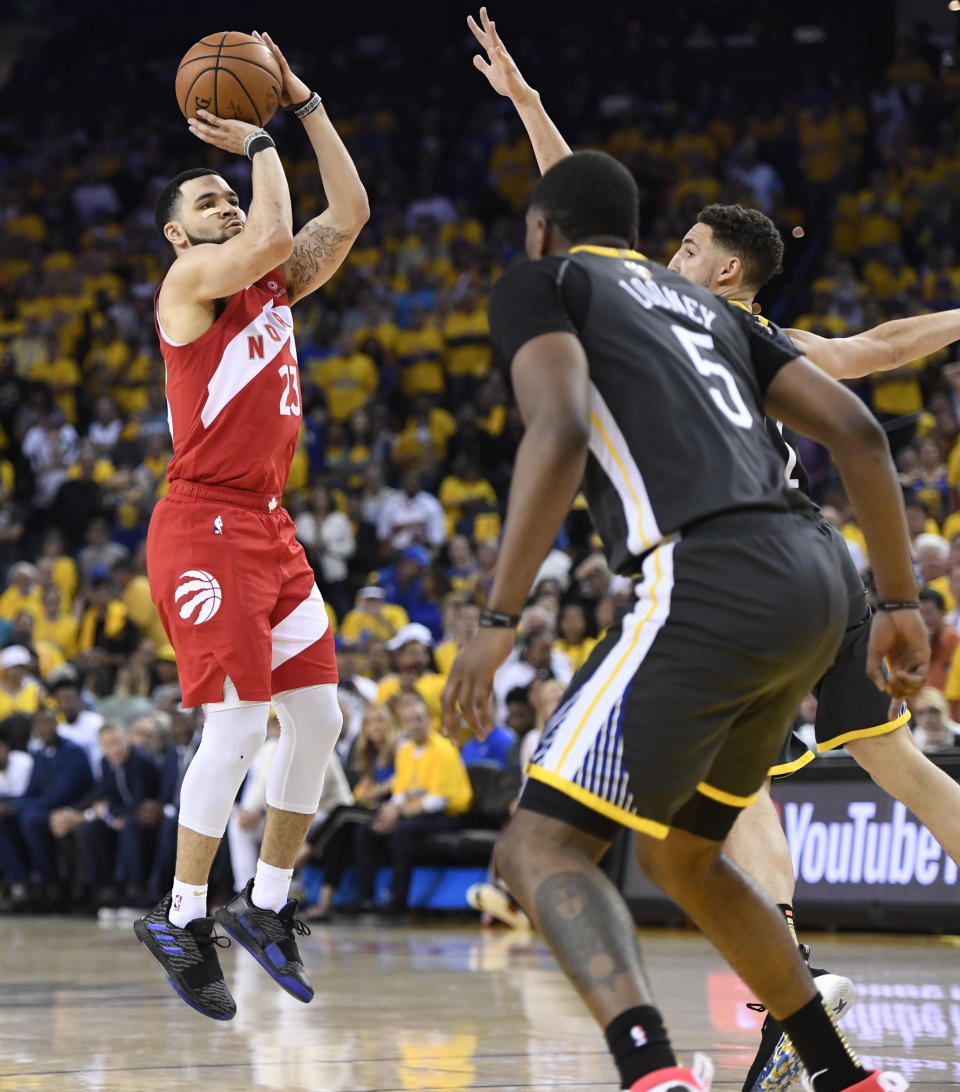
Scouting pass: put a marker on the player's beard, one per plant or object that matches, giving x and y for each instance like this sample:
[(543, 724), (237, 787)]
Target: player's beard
[(221, 238)]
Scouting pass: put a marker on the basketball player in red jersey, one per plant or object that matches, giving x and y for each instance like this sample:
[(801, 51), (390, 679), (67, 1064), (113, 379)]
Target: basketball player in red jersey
[(232, 585)]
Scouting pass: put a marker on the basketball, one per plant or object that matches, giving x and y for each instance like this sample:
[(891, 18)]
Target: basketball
[(231, 74)]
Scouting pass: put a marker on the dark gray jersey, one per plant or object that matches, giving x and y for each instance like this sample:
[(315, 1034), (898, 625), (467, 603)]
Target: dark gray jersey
[(785, 440), (677, 378)]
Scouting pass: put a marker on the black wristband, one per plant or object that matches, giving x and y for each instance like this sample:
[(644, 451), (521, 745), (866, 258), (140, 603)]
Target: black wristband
[(495, 619), (898, 604), (302, 109), (257, 142)]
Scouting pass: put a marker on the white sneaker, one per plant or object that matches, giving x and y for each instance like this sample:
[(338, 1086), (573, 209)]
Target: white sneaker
[(490, 898), (784, 1067)]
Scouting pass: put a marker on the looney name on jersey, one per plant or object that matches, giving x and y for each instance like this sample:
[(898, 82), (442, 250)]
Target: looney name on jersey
[(649, 294)]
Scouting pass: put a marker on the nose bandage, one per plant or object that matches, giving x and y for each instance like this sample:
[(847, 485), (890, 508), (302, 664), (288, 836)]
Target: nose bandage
[(210, 212)]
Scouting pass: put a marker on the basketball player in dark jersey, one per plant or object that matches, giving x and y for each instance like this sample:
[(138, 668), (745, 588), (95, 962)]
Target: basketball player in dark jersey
[(851, 710), (655, 390)]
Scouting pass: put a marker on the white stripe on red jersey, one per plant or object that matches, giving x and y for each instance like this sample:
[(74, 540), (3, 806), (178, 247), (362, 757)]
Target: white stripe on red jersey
[(234, 394)]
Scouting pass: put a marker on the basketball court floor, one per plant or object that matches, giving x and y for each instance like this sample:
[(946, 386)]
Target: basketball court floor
[(84, 1009)]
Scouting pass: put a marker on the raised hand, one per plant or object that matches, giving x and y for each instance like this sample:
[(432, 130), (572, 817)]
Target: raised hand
[(499, 67), (293, 89), (224, 133)]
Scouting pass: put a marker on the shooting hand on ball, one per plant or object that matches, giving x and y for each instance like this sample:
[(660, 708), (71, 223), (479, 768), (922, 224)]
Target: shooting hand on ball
[(293, 89), (224, 133)]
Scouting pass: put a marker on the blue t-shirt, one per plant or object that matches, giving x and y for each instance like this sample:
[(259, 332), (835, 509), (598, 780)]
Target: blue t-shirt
[(495, 748)]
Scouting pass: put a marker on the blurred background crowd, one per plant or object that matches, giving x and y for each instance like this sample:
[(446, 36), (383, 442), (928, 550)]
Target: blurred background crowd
[(400, 480)]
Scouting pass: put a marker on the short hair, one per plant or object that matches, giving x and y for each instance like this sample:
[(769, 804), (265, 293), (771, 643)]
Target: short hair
[(749, 234), (588, 194), (930, 541), (168, 199), (931, 595)]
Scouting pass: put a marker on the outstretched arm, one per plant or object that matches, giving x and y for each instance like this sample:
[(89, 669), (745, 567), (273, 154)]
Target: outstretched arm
[(321, 245), (501, 70), (887, 346)]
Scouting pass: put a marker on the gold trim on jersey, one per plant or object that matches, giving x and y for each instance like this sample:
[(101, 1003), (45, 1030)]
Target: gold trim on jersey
[(864, 733), (598, 804), (783, 769), (723, 797), (750, 311), (609, 252)]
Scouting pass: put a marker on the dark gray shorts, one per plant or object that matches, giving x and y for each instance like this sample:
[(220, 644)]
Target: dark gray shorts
[(849, 706), (678, 713)]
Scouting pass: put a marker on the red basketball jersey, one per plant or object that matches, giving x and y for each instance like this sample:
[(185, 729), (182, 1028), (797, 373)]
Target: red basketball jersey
[(233, 394)]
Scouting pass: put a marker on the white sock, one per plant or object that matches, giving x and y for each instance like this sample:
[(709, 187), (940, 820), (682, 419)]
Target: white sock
[(189, 903), (271, 886)]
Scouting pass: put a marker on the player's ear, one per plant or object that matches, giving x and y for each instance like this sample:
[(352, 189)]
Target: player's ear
[(731, 272), (173, 232)]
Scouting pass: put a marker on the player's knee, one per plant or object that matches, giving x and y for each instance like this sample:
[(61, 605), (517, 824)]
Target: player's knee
[(310, 723), (677, 861)]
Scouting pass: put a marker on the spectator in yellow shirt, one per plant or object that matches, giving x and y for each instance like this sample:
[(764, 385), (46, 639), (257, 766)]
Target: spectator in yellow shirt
[(573, 645), (56, 625), (466, 334), (431, 791), (134, 591), (413, 669), (347, 379), (372, 617), (419, 355), (63, 568), (19, 690), (465, 493), (23, 592)]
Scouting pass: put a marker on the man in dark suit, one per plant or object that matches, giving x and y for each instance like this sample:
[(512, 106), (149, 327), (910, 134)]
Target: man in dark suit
[(61, 777), (173, 765)]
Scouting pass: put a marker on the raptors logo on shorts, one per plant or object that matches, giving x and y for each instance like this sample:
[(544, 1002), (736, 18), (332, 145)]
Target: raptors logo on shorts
[(198, 596)]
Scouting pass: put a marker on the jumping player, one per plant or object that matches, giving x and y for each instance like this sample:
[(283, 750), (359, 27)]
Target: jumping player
[(733, 252), (233, 587)]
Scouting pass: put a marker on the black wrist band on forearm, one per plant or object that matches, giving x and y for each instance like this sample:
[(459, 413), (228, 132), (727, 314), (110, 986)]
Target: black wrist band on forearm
[(301, 109), (495, 619), (257, 142), (898, 604)]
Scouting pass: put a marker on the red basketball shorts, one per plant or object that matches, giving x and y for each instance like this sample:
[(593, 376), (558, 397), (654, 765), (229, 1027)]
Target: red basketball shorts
[(236, 595)]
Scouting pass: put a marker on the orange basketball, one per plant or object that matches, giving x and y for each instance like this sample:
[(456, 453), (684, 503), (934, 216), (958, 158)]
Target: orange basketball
[(231, 74)]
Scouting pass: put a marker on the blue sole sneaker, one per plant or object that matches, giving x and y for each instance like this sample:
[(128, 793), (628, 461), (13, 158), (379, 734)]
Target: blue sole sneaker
[(189, 956), (270, 937)]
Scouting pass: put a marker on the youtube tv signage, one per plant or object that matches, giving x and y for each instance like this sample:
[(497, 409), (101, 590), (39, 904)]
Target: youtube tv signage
[(860, 858)]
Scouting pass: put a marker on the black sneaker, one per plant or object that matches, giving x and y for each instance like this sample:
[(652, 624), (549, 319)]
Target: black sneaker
[(189, 956), (269, 938), (777, 1065)]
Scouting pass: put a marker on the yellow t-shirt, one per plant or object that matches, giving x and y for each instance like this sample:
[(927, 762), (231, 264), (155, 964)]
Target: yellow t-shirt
[(576, 655), (12, 602), (25, 700), (142, 612), (61, 631), (347, 382), (467, 338), (455, 493), (435, 769), (420, 354), (358, 625), (429, 686)]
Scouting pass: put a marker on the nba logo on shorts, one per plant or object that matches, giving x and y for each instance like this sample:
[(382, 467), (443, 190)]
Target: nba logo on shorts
[(201, 595)]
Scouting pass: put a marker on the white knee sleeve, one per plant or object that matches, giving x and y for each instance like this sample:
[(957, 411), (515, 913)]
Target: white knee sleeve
[(233, 733), (310, 722)]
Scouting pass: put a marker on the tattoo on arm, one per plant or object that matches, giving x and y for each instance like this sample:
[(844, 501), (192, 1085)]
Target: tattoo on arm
[(315, 245), (589, 928)]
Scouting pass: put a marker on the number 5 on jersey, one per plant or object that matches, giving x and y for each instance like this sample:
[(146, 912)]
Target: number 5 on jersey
[(290, 400), (725, 393)]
